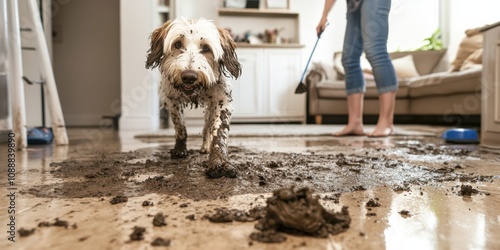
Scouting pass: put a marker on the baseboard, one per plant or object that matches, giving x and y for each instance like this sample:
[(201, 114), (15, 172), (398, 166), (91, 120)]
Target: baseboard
[(81, 120), (139, 123)]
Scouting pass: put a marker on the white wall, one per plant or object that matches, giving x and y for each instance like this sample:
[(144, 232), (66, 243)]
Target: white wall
[(139, 98), (87, 60), (470, 14), (410, 22)]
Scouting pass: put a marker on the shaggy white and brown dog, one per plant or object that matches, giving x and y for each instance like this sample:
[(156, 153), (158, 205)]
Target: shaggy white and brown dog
[(194, 58)]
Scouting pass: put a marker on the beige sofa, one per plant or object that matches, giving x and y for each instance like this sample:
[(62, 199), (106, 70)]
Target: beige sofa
[(434, 92)]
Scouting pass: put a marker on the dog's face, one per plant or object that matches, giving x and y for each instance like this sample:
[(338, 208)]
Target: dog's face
[(193, 54)]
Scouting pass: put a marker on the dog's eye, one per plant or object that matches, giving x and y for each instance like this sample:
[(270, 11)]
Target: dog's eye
[(205, 48), (178, 44)]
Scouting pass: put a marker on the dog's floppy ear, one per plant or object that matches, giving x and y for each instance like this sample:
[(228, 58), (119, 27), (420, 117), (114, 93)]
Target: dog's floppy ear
[(155, 52), (229, 60)]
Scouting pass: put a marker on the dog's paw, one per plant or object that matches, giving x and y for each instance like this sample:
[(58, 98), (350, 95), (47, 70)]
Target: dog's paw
[(204, 150), (179, 153), (225, 169)]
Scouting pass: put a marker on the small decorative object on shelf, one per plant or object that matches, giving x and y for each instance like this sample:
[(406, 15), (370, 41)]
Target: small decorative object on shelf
[(163, 2), (237, 4), (252, 4), (277, 4)]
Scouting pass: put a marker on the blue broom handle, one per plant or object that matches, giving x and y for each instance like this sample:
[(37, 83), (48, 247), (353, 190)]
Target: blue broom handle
[(308, 61), (312, 52)]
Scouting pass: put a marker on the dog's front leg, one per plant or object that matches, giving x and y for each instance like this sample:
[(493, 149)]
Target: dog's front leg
[(218, 162), (208, 129), (176, 114)]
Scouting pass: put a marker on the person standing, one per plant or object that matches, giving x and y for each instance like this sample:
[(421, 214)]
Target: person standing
[(367, 30)]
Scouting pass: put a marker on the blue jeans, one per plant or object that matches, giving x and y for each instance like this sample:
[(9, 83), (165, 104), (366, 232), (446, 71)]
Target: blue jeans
[(367, 29)]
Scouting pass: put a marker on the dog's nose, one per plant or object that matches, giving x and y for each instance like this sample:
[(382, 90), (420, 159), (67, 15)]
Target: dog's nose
[(189, 77)]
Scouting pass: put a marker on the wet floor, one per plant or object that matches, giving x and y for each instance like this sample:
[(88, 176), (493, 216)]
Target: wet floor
[(415, 177)]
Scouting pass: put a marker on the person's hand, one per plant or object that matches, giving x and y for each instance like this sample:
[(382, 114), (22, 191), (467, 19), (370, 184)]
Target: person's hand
[(321, 26)]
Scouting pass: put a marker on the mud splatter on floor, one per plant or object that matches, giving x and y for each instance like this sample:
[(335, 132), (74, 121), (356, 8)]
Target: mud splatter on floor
[(404, 166), (144, 171)]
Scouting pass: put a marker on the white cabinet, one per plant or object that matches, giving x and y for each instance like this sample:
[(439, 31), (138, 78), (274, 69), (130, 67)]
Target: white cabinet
[(247, 100), (265, 91), (490, 113), (282, 77)]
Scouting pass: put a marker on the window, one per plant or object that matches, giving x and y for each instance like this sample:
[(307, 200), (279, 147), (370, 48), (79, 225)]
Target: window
[(410, 22)]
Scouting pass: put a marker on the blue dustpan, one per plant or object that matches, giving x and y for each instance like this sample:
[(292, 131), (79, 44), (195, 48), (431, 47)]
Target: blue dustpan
[(460, 135), (40, 135)]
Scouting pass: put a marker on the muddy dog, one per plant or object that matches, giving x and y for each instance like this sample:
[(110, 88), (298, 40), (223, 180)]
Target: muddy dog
[(195, 58)]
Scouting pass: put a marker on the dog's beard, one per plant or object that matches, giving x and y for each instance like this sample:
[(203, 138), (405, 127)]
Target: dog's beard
[(189, 90)]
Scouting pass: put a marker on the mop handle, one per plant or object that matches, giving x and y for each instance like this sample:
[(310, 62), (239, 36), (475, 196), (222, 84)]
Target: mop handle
[(312, 52)]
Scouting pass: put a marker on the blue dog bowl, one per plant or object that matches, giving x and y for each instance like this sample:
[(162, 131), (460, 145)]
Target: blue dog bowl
[(460, 135)]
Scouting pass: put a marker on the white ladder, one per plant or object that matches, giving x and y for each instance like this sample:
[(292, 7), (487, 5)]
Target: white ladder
[(15, 73)]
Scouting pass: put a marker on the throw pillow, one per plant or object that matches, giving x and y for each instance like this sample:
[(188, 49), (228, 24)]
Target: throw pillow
[(339, 68), (473, 60), (405, 67), (337, 65), (472, 42)]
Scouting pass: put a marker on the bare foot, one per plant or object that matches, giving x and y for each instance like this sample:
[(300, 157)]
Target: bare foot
[(351, 130), (382, 131)]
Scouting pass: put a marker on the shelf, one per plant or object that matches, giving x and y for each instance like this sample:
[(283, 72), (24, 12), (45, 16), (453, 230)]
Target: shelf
[(270, 45), (257, 12)]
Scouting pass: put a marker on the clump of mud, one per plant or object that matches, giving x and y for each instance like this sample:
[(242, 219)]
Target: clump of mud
[(159, 220), (223, 215), (138, 233), (405, 213), (372, 203), (298, 212), (467, 190), (57, 223), (25, 232), (161, 242), (147, 204), (118, 199)]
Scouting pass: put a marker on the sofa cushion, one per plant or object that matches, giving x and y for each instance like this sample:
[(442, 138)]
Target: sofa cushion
[(336, 89), (446, 83), (426, 61), (472, 42), (405, 67)]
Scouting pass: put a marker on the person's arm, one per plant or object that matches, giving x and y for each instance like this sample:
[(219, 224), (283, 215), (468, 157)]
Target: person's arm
[(328, 6)]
